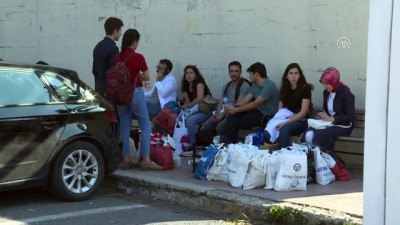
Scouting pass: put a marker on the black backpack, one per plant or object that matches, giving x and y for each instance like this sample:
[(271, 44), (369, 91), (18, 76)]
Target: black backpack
[(239, 85)]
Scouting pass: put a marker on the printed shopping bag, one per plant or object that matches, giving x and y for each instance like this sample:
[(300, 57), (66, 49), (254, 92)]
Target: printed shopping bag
[(292, 173), (323, 173), (205, 162), (256, 174), (219, 170), (239, 158), (181, 134)]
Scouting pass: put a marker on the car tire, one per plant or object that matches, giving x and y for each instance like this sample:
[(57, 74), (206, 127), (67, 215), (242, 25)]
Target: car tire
[(78, 172)]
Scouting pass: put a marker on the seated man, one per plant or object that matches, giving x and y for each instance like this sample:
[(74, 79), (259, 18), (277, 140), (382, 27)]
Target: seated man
[(232, 93), (262, 102), (164, 90)]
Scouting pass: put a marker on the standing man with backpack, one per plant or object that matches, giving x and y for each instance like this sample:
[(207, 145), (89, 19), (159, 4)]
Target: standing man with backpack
[(105, 52), (232, 92)]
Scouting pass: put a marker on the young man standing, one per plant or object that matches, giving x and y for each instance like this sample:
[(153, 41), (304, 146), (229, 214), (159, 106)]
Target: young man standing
[(248, 113), (104, 53), (232, 92)]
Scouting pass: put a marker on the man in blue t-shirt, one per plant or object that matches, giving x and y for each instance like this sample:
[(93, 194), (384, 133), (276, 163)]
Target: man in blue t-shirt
[(232, 92), (104, 54), (257, 106)]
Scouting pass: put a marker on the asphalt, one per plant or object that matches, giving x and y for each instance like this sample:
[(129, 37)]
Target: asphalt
[(340, 202)]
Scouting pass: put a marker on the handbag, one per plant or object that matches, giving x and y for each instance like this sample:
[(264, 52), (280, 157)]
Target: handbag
[(181, 134), (322, 124), (166, 119), (207, 105), (318, 124), (162, 156)]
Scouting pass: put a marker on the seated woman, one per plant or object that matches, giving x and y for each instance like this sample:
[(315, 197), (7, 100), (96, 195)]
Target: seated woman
[(194, 89), (339, 108), (294, 105)]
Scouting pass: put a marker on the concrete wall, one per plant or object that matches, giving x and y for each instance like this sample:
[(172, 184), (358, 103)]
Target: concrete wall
[(209, 33)]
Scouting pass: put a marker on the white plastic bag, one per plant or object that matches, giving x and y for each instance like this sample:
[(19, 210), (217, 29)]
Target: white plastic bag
[(181, 134), (323, 173), (219, 170), (239, 157), (271, 169), (331, 162), (255, 177), (292, 172)]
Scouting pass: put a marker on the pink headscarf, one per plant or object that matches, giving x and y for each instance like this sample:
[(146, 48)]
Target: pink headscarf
[(331, 76)]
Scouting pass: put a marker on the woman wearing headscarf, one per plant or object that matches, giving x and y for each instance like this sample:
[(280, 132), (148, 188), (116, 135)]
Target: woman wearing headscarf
[(338, 107)]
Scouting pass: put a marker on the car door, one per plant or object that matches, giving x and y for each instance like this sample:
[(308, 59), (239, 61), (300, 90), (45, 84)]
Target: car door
[(31, 122)]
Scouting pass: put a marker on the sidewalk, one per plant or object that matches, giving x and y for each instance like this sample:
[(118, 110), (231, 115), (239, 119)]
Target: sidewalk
[(331, 204)]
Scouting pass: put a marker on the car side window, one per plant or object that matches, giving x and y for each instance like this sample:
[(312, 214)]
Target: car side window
[(65, 89), (22, 87)]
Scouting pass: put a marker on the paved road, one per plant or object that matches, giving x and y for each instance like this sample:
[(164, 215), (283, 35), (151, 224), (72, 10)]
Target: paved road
[(106, 207)]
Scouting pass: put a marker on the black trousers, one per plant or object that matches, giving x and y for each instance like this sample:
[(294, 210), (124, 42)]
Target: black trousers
[(242, 120)]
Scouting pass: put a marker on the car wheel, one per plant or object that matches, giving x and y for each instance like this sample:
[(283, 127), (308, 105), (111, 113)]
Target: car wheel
[(78, 172)]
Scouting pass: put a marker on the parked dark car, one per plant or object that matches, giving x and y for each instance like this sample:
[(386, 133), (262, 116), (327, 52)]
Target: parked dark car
[(55, 132)]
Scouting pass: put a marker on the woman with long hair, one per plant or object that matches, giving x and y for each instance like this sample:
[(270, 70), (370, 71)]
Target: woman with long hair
[(194, 88), (136, 63), (295, 102)]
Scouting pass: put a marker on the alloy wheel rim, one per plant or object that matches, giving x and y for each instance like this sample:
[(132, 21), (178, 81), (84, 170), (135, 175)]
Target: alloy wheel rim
[(80, 171)]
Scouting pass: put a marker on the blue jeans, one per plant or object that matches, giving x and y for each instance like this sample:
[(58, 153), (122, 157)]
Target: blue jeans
[(192, 124), (139, 110), (287, 131), (153, 107)]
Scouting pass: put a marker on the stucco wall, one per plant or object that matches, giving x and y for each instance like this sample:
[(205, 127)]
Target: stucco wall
[(208, 33)]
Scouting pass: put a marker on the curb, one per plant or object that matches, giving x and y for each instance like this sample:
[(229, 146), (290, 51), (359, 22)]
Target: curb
[(216, 200)]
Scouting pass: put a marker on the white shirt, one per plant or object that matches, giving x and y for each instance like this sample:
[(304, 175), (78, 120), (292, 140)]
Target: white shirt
[(166, 89), (330, 103)]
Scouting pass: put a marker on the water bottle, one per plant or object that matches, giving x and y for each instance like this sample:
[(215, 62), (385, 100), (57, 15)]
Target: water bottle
[(225, 103)]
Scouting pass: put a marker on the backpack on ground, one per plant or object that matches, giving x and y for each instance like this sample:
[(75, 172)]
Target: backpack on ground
[(119, 88), (239, 85)]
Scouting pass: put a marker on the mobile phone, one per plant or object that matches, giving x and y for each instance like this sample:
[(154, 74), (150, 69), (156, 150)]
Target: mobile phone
[(166, 71)]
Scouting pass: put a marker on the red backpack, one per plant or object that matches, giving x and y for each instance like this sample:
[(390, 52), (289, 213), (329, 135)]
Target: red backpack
[(119, 89)]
